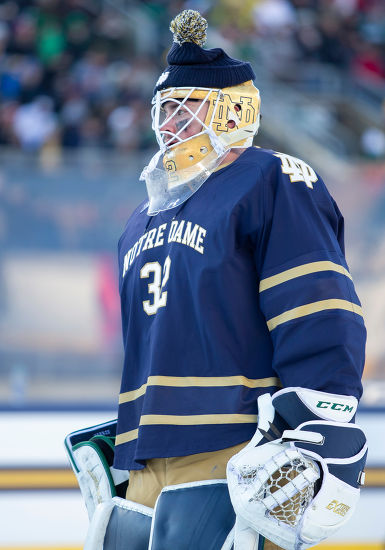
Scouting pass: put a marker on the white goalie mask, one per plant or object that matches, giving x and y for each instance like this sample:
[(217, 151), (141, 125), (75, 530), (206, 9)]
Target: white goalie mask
[(195, 129)]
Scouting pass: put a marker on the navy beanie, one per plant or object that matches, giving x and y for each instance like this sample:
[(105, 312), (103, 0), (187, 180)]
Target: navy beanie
[(191, 65)]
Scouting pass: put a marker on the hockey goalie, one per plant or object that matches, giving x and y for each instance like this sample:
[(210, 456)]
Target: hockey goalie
[(244, 337)]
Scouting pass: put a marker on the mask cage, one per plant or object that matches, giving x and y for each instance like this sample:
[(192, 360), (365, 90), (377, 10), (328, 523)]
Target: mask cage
[(156, 113)]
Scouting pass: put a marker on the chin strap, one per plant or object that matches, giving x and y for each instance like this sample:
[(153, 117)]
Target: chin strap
[(247, 133), (218, 144)]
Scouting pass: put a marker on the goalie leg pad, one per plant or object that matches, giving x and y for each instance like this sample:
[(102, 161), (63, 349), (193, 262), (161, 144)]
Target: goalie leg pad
[(117, 521), (195, 515), (129, 523)]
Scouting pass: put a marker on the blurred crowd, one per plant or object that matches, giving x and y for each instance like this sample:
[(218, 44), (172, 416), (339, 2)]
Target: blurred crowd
[(73, 73), (77, 73)]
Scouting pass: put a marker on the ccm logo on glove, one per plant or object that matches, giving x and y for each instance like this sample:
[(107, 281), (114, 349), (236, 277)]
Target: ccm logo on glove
[(334, 406)]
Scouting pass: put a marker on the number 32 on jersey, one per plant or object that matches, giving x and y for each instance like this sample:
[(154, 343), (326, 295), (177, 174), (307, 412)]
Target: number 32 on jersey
[(156, 287)]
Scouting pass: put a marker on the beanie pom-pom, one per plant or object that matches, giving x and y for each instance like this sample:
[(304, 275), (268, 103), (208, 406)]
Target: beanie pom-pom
[(189, 26)]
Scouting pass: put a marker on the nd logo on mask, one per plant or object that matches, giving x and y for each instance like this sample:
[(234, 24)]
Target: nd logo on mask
[(226, 107)]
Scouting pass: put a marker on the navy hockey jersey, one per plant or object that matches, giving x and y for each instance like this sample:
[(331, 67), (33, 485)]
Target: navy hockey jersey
[(239, 291)]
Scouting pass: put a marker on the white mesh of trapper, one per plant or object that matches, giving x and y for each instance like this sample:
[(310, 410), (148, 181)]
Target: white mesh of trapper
[(285, 493)]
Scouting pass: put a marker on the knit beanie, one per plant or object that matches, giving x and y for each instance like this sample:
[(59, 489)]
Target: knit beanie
[(191, 65)]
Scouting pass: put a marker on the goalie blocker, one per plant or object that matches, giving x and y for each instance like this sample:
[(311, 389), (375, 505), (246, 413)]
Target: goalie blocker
[(297, 481)]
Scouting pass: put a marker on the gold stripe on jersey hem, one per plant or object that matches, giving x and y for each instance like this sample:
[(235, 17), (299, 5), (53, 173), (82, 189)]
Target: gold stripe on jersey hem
[(126, 437), (185, 420), (133, 394), (314, 307), (197, 419), (198, 381), (299, 271)]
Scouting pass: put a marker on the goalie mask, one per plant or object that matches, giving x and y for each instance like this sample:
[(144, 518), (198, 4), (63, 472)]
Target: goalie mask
[(197, 115)]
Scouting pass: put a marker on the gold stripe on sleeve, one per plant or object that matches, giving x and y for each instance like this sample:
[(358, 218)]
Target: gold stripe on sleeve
[(197, 419), (314, 307), (200, 382), (126, 437), (305, 269)]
